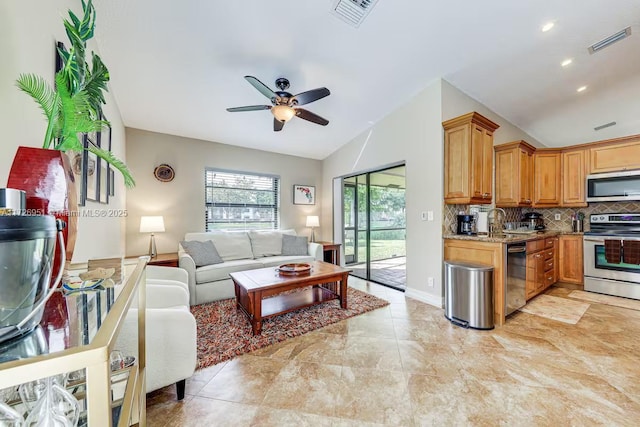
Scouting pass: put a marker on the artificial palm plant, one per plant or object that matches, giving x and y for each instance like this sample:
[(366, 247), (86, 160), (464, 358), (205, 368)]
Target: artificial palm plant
[(74, 106)]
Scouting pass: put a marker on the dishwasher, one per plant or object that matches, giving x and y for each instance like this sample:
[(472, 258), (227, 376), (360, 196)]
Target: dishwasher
[(516, 277)]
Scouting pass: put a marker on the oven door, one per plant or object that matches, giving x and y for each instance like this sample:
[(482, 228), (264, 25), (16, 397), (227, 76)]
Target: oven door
[(596, 265)]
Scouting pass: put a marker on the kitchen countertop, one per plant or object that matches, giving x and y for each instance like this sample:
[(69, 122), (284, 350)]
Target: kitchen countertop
[(510, 238)]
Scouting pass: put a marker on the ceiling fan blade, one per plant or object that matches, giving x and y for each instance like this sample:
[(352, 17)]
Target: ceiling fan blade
[(311, 95), (264, 89), (249, 108), (308, 115), (277, 125)]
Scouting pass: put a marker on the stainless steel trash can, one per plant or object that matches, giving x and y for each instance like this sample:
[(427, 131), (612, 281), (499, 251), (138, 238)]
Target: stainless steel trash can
[(468, 294)]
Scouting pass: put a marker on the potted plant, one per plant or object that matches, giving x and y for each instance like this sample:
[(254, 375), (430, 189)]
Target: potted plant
[(75, 105), (72, 108)]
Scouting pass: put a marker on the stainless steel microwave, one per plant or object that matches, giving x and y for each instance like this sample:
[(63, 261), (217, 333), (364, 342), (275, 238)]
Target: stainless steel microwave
[(613, 187)]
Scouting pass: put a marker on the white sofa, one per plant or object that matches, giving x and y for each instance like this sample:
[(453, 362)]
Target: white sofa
[(239, 250), (171, 337)]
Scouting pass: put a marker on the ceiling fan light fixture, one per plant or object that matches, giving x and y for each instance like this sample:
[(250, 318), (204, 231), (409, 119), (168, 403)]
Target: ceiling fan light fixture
[(283, 113)]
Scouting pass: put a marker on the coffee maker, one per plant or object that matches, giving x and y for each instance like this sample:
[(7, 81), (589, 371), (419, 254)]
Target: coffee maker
[(466, 225), (534, 220)]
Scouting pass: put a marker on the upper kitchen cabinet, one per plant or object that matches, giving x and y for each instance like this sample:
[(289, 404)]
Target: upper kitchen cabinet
[(613, 156), (546, 177), (468, 159), (514, 169), (574, 173)]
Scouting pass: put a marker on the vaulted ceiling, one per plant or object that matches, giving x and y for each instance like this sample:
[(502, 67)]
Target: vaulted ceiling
[(177, 66)]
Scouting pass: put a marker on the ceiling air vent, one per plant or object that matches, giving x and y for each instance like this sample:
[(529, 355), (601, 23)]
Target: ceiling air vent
[(353, 12), (606, 125), (623, 34)]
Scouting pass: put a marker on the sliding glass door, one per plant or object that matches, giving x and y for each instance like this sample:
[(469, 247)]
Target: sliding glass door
[(375, 226)]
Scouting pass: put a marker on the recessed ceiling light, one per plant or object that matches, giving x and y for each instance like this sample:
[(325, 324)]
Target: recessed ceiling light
[(581, 89), (546, 27), (566, 62)]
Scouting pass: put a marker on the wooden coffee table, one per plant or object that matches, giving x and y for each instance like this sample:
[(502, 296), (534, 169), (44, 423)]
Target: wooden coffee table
[(325, 282)]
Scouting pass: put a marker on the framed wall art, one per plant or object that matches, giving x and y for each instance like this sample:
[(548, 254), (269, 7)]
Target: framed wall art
[(304, 195), (91, 170)]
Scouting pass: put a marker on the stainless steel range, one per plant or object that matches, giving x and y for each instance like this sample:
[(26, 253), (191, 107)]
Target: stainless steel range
[(612, 255)]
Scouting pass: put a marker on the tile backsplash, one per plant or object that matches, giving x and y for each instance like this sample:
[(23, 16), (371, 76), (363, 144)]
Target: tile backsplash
[(564, 224)]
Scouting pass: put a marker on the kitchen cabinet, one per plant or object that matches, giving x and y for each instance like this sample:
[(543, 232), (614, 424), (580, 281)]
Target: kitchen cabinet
[(546, 178), (574, 174), (468, 159), (614, 157), (81, 331), (541, 265), (514, 180), (571, 261)]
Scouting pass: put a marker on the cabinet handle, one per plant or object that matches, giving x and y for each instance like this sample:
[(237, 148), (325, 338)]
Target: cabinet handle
[(485, 195), (538, 255)]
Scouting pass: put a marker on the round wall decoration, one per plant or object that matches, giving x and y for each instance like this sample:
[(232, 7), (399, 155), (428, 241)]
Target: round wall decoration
[(164, 173)]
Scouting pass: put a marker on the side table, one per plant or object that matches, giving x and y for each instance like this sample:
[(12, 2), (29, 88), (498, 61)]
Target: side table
[(163, 260), (331, 252)]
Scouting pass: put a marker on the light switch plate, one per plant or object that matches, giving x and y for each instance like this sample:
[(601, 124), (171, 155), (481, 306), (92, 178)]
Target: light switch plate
[(423, 216), (557, 217), (429, 215)]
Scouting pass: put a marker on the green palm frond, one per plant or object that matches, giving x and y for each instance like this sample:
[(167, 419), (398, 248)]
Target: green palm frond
[(46, 98), (38, 89), (115, 162)]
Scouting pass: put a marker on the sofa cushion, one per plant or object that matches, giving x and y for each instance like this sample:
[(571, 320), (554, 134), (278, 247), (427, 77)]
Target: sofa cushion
[(294, 245), (274, 261), (232, 245), (203, 253), (214, 272), (265, 243)]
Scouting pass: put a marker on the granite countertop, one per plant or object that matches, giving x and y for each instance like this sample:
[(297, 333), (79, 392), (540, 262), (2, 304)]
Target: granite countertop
[(509, 238)]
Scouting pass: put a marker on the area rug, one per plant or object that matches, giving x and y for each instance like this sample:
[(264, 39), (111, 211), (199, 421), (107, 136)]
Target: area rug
[(554, 308), (606, 299), (224, 332)]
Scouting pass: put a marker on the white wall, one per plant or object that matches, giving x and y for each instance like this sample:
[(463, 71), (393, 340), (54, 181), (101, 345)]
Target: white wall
[(181, 201), (456, 103), (413, 134), (28, 32)]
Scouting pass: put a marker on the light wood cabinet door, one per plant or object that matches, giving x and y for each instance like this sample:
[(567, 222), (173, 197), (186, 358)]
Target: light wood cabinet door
[(514, 163), (574, 175), (615, 157), (468, 159), (546, 178), (535, 277), (571, 263), (457, 163)]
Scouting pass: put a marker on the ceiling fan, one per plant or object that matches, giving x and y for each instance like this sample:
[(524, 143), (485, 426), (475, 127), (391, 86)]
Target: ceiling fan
[(284, 105)]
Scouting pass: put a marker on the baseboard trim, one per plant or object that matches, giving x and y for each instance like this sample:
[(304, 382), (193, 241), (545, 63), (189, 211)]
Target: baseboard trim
[(422, 296)]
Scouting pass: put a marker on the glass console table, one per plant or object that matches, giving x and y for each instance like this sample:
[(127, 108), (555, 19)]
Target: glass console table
[(75, 338)]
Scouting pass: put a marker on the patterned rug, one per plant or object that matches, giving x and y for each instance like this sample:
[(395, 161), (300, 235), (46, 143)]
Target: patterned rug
[(224, 332), (560, 309)]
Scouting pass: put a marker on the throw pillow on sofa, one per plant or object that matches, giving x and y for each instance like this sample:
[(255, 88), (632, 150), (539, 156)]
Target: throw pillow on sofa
[(265, 243), (294, 245), (203, 253)]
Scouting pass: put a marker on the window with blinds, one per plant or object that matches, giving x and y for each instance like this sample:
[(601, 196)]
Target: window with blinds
[(241, 201)]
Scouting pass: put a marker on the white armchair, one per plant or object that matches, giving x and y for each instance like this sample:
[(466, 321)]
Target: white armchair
[(170, 330)]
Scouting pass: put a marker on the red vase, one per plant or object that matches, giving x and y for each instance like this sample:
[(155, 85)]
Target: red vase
[(47, 178)]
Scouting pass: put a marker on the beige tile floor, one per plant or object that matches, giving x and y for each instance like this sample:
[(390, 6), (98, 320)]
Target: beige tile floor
[(406, 365)]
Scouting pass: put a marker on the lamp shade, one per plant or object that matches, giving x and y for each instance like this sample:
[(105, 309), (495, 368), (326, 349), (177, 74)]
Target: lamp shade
[(151, 224), (283, 113), (313, 221)]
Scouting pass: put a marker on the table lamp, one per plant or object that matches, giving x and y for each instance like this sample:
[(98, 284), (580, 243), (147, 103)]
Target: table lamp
[(152, 224), (313, 221)]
